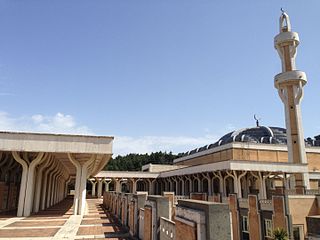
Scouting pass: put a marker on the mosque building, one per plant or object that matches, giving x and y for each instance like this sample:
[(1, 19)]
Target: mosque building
[(245, 185), (261, 162)]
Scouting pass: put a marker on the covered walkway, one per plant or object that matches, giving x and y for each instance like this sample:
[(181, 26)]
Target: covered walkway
[(58, 222), (38, 170)]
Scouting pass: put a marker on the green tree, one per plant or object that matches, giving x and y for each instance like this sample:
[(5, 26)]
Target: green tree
[(134, 162)]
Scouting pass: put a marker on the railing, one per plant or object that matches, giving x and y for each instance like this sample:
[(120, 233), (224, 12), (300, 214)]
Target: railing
[(290, 191), (225, 200), (243, 203), (312, 191), (167, 229), (179, 197), (141, 223), (266, 204)]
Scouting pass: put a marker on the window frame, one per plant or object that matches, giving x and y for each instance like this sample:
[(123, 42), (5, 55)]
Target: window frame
[(245, 219), (268, 224)]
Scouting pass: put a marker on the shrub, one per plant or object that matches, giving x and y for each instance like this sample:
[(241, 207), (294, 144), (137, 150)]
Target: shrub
[(280, 234)]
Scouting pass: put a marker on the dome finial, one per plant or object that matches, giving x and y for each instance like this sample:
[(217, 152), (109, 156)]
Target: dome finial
[(257, 120)]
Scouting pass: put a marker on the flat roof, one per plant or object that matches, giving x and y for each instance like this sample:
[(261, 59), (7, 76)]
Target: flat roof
[(55, 143)]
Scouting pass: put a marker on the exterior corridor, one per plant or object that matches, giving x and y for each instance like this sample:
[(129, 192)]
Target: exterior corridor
[(58, 222)]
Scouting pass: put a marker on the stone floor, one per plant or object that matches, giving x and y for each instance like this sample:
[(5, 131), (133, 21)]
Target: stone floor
[(58, 222)]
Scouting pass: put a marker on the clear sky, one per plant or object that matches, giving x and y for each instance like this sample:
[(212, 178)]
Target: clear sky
[(157, 75)]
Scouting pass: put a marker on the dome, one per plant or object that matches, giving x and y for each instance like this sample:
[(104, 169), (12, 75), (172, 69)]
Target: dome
[(260, 134)]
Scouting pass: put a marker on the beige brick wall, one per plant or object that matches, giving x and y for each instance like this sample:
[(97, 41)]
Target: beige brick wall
[(147, 223), (185, 231), (301, 207), (254, 218)]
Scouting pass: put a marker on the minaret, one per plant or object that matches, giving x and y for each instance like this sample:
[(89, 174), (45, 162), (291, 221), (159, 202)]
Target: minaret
[(290, 88)]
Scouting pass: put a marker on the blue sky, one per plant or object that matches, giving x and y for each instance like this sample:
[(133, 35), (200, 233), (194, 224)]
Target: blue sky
[(158, 75)]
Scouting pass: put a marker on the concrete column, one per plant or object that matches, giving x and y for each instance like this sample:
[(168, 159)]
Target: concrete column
[(134, 185), (77, 184), (57, 189), (45, 184), (106, 184), (82, 192), (200, 189), (209, 186), (99, 187), (240, 176), (48, 193), (151, 186), (81, 180), (190, 185), (27, 186), (177, 185), (117, 184), (262, 185), (221, 182), (93, 184), (235, 185), (183, 187), (40, 183), (66, 187), (53, 186), (168, 189)]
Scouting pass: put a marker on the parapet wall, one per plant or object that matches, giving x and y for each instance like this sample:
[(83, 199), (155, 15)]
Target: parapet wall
[(153, 217)]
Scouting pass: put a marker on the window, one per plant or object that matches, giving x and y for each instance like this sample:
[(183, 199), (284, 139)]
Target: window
[(268, 227), (298, 232), (245, 224)]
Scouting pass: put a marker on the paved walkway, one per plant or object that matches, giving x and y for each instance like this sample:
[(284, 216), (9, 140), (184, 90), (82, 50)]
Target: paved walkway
[(58, 222)]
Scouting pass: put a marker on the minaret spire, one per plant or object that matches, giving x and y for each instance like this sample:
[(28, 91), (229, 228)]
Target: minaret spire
[(290, 88)]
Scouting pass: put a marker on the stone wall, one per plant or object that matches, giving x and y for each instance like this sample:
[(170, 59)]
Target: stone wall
[(301, 206), (212, 220), (150, 219), (8, 196)]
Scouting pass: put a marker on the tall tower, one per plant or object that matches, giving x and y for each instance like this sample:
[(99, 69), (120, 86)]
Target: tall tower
[(290, 88)]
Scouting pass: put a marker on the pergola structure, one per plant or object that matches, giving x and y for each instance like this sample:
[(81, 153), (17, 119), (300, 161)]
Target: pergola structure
[(40, 166)]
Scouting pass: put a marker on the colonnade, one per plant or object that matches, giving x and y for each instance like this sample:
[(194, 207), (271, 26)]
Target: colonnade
[(221, 183), (42, 181), (224, 183), (122, 185)]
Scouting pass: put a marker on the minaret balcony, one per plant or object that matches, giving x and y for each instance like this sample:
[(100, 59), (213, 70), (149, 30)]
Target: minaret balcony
[(286, 38), (294, 77)]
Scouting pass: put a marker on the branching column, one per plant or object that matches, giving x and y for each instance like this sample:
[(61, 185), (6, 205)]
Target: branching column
[(81, 180), (40, 184), (44, 192), (99, 180), (27, 182), (93, 185)]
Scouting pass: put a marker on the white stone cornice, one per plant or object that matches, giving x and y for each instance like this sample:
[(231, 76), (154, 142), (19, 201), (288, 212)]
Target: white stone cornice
[(123, 174), (239, 165)]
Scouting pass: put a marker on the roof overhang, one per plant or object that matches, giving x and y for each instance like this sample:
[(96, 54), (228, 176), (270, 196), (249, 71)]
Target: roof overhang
[(240, 165), (122, 174), (59, 145)]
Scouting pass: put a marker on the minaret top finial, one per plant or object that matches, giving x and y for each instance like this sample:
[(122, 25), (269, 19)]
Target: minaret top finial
[(285, 25)]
